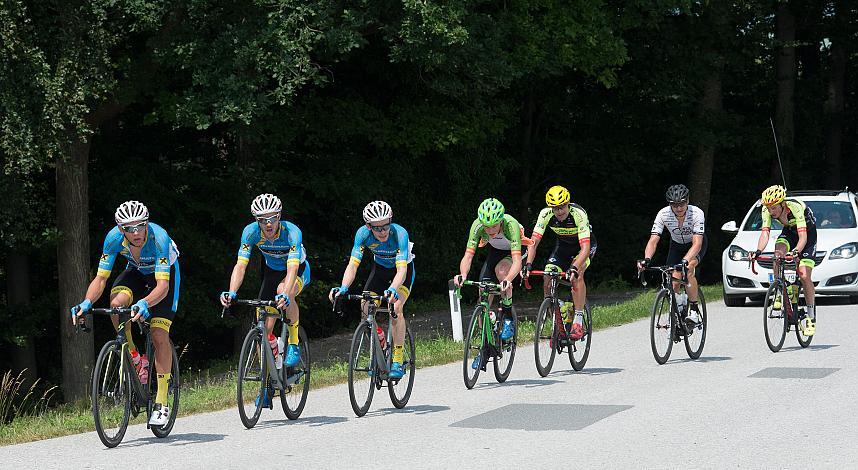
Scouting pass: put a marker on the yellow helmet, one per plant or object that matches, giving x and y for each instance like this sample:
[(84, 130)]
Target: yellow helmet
[(774, 194), (557, 196)]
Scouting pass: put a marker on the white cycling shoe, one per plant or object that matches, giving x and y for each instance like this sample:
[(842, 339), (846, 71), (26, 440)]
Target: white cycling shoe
[(160, 415)]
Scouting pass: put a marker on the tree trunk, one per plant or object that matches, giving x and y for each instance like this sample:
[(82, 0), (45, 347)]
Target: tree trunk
[(834, 113), (18, 294), (73, 266), (526, 162), (700, 177), (785, 74)]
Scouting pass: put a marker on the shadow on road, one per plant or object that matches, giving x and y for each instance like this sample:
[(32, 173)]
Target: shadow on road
[(528, 383), (812, 347), (312, 421), (176, 439), (593, 371), (701, 359), (416, 410)]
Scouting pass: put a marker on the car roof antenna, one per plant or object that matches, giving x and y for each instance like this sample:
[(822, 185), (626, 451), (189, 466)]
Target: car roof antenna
[(777, 149)]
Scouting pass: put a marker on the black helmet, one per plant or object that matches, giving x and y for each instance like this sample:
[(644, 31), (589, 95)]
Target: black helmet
[(677, 193)]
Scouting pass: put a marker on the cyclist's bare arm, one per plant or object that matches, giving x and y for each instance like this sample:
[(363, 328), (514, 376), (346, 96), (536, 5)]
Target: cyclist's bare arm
[(651, 245), (531, 251), (764, 240), (696, 244), (94, 291), (237, 277), (465, 264)]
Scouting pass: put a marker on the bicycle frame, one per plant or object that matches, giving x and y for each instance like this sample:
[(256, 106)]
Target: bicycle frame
[(555, 278), (486, 290), (373, 308), (780, 266)]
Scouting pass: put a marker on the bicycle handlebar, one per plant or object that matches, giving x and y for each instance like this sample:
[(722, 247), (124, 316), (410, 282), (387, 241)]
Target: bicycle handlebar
[(249, 302), (125, 314), (787, 258), (662, 269), (365, 295), (535, 272)]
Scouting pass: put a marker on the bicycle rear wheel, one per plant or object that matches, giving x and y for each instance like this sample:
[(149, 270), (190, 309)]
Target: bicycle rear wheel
[(803, 339), (695, 337), (473, 348), (579, 350), (294, 397), (362, 369), (661, 326), (503, 362), (400, 390), (775, 320), (111, 394), (172, 395), (252, 384), (545, 338)]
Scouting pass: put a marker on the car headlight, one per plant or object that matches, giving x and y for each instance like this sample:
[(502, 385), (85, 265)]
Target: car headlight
[(736, 253), (844, 251)]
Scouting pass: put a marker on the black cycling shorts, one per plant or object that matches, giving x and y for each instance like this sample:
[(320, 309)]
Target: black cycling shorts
[(493, 257), (138, 285), (677, 251), (565, 253), (380, 278), (789, 235), (271, 278)]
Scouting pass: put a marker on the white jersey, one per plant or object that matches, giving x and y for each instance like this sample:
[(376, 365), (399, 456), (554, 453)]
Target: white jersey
[(692, 225)]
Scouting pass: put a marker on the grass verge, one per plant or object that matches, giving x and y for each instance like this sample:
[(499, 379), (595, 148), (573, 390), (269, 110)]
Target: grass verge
[(202, 393)]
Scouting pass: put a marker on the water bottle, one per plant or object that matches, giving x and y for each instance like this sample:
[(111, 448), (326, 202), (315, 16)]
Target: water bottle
[(381, 338), (564, 310), (792, 290), (278, 354), (681, 301), (493, 317)]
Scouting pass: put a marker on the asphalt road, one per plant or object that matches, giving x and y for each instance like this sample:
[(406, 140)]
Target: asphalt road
[(738, 406)]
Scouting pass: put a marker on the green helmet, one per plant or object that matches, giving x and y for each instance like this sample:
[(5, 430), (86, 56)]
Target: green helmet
[(490, 212)]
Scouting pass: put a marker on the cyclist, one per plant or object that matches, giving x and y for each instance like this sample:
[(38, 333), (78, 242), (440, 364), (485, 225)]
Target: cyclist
[(569, 221), (152, 278), (688, 242), (503, 234), (798, 235), (285, 272), (392, 270)]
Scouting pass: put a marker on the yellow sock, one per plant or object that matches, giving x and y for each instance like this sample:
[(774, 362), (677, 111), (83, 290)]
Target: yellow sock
[(293, 333), (163, 383), (398, 353)]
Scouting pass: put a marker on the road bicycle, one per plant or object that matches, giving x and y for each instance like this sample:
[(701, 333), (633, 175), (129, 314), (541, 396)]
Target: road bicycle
[(483, 339), (667, 322), (550, 337), (781, 307), (258, 376), (369, 361), (117, 393)]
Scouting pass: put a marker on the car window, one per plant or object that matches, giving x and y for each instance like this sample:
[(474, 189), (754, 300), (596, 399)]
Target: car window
[(828, 215), (833, 214)]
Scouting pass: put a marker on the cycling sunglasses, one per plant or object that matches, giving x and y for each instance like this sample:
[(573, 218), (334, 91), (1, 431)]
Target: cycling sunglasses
[(380, 228), (268, 220), (133, 228)]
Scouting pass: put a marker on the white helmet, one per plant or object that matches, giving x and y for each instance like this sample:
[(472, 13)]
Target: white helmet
[(376, 211), (265, 204), (131, 211)]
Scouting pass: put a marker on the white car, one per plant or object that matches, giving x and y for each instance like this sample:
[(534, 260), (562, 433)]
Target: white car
[(836, 271)]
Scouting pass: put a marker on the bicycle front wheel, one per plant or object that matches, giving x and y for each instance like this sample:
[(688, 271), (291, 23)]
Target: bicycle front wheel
[(111, 394), (297, 380), (362, 369), (172, 396), (400, 390), (506, 351), (661, 326), (544, 338), (775, 319), (252, 385), (472, 361), (695, 337), (579, 350)]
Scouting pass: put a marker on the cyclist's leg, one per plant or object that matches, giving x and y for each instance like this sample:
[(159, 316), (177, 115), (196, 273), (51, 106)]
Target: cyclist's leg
[(488, 271), (675, 253), (292, 311), (693, 294), (271, 279), (501, 272), (128, 286), (805, 269), (399, 325), (163, 314), (555, 262)]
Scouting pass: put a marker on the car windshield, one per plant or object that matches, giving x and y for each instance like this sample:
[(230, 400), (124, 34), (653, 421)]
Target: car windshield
[(828, 215)]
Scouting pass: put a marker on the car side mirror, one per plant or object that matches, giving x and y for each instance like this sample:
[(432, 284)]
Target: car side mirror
[(730, 228)]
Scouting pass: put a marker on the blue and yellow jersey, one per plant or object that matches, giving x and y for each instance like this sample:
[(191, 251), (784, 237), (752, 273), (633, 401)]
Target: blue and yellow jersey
[(286, 248), (159, 252), (798, 215), (394, 252)]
